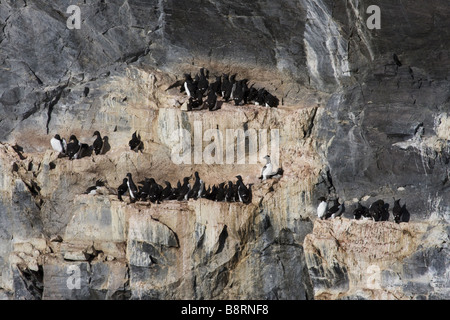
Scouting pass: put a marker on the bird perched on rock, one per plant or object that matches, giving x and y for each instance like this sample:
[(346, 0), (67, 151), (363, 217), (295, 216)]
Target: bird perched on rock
[(93, 190), (267, 169), (168, 193), (336, 210), (376, 210), (59, 144), (361, 212), (183, 191), (122, 189), (73, 148), (244, 193), (155, 191), (132, 189), (98, 143), (136, 143), (322, 208)]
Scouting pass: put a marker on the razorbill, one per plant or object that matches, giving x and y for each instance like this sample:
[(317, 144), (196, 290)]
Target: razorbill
[(189, 85), (229, 192), (267, 169), (322, 208), (144, 191), (376, 210), (216, 86), (132, 189), (211, 100), (184, 189), (93, 190), (220, 196), (135, 143), (244, 193), (167, 192), (73, 148), (203, 82), (98, 143), (59, 144), (193, 193), (397, 211), (122, 189), (155, 191)]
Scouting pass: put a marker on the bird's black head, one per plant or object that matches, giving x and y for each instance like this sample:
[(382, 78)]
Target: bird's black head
[(125, 180), (96, 133), (129, 175), (239, 178), (322, 199), (72, 137), (57, 137)]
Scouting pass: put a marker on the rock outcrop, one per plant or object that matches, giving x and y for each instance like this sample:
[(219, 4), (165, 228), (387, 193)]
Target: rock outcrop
[(352, 123)]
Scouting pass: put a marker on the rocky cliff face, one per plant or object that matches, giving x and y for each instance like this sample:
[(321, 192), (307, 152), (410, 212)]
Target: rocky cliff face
[(352, 124)]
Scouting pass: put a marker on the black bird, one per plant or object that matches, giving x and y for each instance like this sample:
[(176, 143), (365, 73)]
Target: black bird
[(132, 189), (334, 209), (244, 193), (98, 143), (73, 148), (195, 102), (189, 86), (220, 196), (271, 101), (233, 84), (155, 191), (397, 211), (93, 189), (261, 97), (194, 192), (135, 143), (212, 194), (183, 191), (144, 192), (396, 60), (203, 82), (168, 192), (122, 189), (238, 94), (252, 94), (226, 87), (211, 100), (230, 192), (376, 210), (216, 86), (361, 212)]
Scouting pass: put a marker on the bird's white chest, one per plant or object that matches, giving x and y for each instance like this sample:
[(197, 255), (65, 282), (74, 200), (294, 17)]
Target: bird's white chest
[(322, 209)]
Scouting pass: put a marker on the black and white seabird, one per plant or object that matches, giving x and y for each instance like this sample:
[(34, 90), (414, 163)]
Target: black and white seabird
[(226, 87), (144, 191), (322, 208), (244, 193), (132, 189), (220, 196), (336, 210), (230, 192), (195, 190), (168, 192), (135, 143), (211, 100), (270, 100), (376, 210), (93, 190), (59, 144), (184, 189), (267, 169), (216, 86), (98, 143), (122, 189), (195, 102), (189, 85), (73, 148), (155, 191), (203, 82)]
